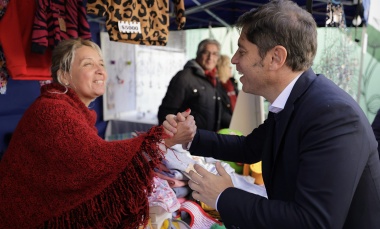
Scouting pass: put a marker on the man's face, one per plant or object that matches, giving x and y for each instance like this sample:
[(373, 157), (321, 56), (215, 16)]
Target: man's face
[(251, 67), (209, 57)]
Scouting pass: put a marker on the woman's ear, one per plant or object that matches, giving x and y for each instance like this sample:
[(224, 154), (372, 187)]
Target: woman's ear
[(62, 77), (279, 55)]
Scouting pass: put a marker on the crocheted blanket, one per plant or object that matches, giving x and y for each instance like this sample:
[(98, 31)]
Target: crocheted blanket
[(58, 173)]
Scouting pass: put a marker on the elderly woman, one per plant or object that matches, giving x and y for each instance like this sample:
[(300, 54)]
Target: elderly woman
[(57, 171)]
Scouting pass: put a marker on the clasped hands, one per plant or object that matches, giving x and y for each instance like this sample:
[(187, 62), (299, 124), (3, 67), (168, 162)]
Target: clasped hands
[(206, 186)]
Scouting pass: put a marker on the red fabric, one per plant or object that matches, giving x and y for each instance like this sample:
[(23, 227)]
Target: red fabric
[(211, 76), (46, 28), (230, 89), (57, 171), (15, 38)]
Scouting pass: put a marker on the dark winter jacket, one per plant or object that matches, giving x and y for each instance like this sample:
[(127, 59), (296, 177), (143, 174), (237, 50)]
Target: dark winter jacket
[(190, 88)]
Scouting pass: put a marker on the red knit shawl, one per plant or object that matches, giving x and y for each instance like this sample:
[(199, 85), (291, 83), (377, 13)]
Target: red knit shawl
[(58, 173)]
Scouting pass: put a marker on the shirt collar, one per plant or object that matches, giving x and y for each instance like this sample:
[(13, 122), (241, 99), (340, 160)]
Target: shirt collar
[(279, 103)]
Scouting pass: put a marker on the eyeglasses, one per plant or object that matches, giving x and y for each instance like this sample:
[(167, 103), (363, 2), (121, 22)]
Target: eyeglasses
[(207, 53)]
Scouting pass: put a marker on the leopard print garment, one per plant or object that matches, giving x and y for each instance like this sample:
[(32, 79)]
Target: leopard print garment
[(144, 22)]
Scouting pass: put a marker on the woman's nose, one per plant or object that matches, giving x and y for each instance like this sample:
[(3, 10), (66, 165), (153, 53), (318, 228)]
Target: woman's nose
[(101, 70)]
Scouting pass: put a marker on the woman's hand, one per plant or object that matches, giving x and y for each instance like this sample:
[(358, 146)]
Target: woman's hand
[(181, 128)]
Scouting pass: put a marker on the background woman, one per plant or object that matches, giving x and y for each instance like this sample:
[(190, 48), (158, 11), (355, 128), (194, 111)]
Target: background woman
[(229, 91)]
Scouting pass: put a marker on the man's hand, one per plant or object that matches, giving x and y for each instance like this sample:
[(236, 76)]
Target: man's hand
[(181, 128), (208, 186)]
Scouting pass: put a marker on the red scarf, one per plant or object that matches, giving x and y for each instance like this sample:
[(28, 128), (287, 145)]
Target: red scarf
[(230, 89), (211, 76), (57, 172)]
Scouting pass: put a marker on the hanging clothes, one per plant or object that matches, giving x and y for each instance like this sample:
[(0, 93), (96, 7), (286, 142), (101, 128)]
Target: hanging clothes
[(15, 38), (3, 7), (57, 20), (138, 22), (3, 73)]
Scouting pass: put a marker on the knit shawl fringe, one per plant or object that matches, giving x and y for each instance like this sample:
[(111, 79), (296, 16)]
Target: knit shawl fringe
[(124, 203)]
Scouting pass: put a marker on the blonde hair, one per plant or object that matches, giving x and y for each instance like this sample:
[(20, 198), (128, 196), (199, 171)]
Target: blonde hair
[(64, 53), (224, 68)]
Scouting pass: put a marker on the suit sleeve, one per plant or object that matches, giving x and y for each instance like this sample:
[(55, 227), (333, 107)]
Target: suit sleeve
[(332, 139), (235, 148)]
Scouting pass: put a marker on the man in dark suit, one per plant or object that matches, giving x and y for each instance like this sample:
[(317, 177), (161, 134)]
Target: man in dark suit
[(319, 155)]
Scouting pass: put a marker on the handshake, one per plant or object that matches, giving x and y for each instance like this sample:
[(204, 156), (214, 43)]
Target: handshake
[(180, 128)]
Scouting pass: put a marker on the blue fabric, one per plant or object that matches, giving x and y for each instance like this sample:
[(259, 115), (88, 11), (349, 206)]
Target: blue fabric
[(19, 96)]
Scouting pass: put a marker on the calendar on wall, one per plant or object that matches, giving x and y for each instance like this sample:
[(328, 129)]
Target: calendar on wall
[(138, 77)]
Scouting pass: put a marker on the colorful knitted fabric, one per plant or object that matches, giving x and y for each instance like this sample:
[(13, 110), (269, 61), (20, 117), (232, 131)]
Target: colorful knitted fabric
[(163, 196), (199, 218), (58, 173)]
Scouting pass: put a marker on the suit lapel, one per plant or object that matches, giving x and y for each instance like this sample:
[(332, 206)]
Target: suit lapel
[(267, 158), (282, 122), (282, 118)]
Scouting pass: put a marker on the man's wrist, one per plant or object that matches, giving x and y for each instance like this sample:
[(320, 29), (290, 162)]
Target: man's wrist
[(168, 143)]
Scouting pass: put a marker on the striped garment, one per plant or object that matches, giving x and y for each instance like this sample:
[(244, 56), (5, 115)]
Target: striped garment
[(57, 20)]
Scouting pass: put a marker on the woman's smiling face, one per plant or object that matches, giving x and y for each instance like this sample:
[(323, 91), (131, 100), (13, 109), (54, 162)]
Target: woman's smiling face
[(88, 75)]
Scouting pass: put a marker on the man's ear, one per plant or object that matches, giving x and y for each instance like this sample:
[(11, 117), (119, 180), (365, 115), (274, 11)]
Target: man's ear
[(279, 55)]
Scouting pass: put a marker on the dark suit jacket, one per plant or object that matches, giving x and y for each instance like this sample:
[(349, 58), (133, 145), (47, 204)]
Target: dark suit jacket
[(376, 129), (323, 173)]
